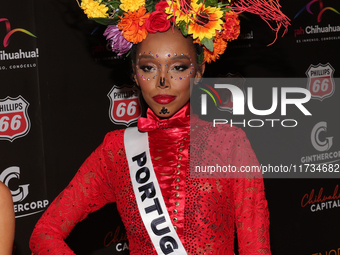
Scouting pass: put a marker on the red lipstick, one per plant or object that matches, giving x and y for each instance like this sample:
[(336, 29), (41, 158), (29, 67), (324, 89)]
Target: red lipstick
[(164, 99)]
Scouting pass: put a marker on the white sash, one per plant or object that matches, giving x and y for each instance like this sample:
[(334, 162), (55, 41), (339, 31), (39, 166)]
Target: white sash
[(148, 194)]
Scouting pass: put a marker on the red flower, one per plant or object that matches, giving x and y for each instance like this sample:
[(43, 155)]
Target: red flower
[(231, 26), (157, 22), (161, 5)]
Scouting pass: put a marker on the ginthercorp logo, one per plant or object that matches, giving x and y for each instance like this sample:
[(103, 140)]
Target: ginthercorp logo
[(322, 9), (321, 141), (239, 102), (320, 81), (7, 175), (318, 144), (10, 32), (20, 194)]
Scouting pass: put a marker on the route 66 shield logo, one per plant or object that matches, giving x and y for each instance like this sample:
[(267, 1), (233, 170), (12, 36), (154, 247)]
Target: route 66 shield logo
[(320, 81), (14, 120), (125, 107)]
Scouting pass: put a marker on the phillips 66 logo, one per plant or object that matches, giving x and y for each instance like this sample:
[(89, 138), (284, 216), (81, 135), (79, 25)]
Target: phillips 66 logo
[(320, 82), (125, 107), (14, 120)]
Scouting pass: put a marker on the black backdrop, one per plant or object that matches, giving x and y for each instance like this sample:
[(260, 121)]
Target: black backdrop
[(66, 82)]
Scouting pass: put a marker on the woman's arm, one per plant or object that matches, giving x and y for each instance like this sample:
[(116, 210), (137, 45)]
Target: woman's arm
[(7, 221), (251, 208), (88, 191)]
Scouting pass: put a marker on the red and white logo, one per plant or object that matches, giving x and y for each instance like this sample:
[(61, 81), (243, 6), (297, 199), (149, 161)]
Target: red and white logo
[(125, 107), (14, 120), (320, 81)]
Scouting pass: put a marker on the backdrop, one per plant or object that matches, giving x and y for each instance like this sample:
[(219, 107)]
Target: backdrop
[(62, 90)]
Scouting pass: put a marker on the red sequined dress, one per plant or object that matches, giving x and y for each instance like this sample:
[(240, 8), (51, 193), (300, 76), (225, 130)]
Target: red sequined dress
[(204, 211)]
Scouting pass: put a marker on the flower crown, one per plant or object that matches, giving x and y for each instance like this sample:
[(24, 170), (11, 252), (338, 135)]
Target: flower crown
[(212, 24)]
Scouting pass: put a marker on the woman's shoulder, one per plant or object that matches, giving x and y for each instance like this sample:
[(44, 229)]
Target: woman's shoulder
[(114, 138), (5, 195)]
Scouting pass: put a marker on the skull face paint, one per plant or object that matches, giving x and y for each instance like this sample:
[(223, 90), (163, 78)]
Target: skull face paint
[(165, 62)]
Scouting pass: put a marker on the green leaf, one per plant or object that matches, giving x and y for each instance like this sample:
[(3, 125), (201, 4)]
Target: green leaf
[(200, 57), (184, 28), (113, 5), (210, 3), (208, 43), (105, 21), (150, 5)]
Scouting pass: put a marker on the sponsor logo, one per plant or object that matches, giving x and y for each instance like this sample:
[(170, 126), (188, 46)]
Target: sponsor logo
[(119, 238), (18, 55), (19, 59), (125, 107), (321, 143), (335, 251), (322, 9), (319, 201), (320, 81), (304, 34), (10, 31), (14, 120), (20, 194)]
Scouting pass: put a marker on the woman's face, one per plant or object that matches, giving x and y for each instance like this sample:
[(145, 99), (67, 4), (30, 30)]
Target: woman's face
[(165, 62)]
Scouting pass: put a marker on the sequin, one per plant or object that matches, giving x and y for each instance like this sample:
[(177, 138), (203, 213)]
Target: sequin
[(206, 210)]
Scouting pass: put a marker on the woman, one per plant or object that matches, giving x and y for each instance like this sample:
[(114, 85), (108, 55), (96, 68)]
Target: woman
[(164, 210), (7, 221)]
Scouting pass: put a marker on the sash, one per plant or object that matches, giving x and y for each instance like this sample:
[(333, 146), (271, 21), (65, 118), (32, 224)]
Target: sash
[(148, 194)]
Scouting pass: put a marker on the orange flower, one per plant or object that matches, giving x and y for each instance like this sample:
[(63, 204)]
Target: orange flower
[(219, 47), (132, 25), (231, 26)]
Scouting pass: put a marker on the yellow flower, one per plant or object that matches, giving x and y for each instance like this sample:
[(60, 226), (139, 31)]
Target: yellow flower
[(206, 22), (94, 9), (181, 13), (131, 5)]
